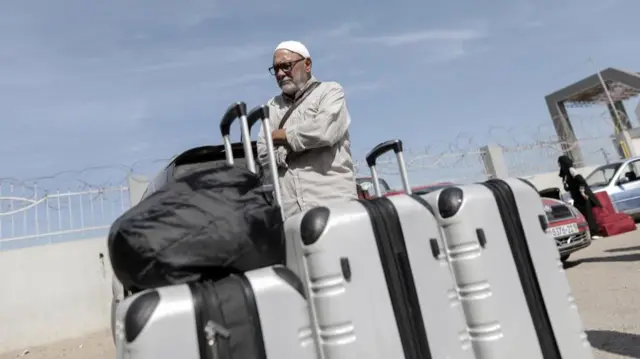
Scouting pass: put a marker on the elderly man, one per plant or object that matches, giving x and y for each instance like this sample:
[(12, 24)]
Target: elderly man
[(311, 136)]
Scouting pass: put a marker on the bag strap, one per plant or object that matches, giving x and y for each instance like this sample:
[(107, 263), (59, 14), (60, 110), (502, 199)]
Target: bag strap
[(297, 103)]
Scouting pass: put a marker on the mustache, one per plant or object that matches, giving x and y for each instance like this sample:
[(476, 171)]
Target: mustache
[(285, 80)]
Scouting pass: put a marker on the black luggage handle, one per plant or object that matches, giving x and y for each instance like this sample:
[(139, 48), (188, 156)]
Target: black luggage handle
[(261, 113), (379, 150), (258, 113), (235, 111)]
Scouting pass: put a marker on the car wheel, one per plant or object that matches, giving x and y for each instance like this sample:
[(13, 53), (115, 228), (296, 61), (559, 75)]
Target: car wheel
[(564, 257)]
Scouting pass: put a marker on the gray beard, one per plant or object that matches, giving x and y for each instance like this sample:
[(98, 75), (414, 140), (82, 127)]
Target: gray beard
[(296, 84), (290, 89)]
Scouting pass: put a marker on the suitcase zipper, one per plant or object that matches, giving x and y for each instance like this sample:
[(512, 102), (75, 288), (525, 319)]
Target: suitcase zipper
[(215, 327), (209, 332), (212, 332)]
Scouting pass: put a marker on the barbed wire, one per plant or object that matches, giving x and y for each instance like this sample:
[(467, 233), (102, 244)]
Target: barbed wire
[(77, 179), (463, 148), (525, 152), (84, 202)]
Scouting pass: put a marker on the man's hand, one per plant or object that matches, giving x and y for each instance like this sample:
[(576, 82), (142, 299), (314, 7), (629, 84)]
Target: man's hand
[(279, 136)]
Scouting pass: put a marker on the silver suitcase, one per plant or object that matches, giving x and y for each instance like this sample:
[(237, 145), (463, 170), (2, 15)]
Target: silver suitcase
[(516, 296), (378, 284), (261, 314), (239, 317)]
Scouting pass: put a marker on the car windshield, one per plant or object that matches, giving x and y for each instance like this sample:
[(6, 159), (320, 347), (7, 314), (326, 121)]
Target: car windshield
[(602, 175), (366, 183)]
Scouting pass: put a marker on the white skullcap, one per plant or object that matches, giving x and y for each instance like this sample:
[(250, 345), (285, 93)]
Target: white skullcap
[(294, 46)]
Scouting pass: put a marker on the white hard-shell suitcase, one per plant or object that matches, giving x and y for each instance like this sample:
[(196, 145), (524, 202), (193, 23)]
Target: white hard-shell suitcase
[(515, 293), (240, 316), (376, 280), (261, 314)]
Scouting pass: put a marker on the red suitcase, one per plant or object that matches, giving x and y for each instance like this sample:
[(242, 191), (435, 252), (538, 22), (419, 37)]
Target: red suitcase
[(609, 221)]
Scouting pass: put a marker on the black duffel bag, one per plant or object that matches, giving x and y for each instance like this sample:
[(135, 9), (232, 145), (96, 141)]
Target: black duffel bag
[(203, 219)]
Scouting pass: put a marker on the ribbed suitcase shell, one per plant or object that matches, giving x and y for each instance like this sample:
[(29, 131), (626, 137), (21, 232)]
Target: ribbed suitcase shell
[(335, 250), (162, 323), (499, 315)]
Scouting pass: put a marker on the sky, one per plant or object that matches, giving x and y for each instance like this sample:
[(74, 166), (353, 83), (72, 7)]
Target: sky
[(127, 84)]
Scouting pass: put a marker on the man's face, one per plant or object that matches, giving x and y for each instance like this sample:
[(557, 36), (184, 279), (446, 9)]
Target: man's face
[(291, 70)]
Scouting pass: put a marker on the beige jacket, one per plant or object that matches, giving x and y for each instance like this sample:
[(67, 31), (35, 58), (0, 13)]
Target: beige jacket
[(325, 173)]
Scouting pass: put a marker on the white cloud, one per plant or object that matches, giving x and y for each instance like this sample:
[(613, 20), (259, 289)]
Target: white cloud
[(430, 46), (345, 29), (205, 56), (444, 53), (435, 35)]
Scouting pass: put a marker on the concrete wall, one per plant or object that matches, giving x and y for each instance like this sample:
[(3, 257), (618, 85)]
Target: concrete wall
[(53, 292)]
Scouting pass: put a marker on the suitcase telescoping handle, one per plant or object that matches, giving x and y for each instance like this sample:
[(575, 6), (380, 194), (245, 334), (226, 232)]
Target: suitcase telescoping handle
[(235, 111), (379, 150), (261, 113)]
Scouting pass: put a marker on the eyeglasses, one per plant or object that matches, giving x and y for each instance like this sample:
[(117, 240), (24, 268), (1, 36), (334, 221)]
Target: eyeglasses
[(284, 66)]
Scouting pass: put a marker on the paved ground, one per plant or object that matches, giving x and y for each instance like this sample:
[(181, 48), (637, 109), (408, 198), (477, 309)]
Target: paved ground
[(605, 279), (95, 346)]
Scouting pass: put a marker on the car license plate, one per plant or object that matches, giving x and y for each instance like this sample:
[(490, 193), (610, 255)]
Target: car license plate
[(566, 230)]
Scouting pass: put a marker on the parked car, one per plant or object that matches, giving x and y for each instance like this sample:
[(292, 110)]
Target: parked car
[(566, 224), (621, 182)]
